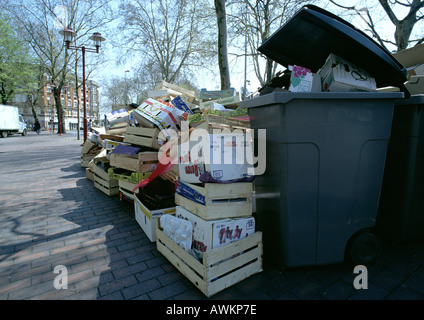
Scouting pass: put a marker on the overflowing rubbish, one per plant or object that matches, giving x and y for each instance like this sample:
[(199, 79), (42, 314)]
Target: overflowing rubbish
[(186, 160)]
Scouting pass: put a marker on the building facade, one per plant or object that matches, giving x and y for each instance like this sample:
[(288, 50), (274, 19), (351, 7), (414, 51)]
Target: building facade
[(70, 100)]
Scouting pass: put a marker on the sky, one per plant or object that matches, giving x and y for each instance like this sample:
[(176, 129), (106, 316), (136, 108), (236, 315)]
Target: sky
[(212, 81)]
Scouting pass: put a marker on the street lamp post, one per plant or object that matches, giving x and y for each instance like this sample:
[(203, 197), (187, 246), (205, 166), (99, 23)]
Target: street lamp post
[(97, 38)]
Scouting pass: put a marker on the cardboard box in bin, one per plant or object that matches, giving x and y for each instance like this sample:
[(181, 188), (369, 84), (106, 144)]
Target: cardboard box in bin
[(224, 156), (337, 74), (210, 234), (303, 80)]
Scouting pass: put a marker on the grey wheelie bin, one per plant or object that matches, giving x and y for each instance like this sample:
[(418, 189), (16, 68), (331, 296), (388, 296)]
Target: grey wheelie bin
[(325, 152), (401, 213), (325, 156)]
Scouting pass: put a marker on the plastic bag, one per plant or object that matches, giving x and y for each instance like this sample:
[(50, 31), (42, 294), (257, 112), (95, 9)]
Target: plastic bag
[(179, 230)]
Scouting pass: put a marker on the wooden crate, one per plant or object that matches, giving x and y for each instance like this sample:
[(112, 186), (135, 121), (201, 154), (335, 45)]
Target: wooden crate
[(126, 189), (132, 177), (221, 200), (147, 137), (85, 159), (88, 145), (116, 129), (211, 122), (221, 267), (174, 90), (104, 183), (142, 162), (89, 174)]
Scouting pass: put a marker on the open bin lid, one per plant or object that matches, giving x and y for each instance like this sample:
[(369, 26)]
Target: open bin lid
[(309, 37)]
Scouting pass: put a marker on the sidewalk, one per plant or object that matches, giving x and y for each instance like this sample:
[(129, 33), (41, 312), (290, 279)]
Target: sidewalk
[(51, 215)]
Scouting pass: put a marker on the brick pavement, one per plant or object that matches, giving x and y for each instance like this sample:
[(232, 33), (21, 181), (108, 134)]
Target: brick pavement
[(51, 215)]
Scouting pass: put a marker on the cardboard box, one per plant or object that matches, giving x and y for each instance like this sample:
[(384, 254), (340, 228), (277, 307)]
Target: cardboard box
[(147, 218), (159, 113), (222, 155), (210, 234), (338, 74), (415, 85), (111, 144), (411, 57), (303, 80)]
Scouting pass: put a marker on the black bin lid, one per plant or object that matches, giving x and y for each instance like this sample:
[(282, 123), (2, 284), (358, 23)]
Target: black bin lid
[(309, 37)]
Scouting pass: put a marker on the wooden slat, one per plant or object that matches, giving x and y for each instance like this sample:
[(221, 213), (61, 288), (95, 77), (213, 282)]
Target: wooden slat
[(147, 137), (110, 188), (181, 266), (222, 274), (214, 211), (185, 256), (224, 190), (233, 278), (136, 164), (221, 253), (232, 264)]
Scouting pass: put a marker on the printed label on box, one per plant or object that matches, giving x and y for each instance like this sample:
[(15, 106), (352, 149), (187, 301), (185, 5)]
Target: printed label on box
[(161, 114), (189, 193)]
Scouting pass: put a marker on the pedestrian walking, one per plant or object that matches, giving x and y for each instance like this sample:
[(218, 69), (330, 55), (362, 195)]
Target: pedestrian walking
[(37, 127)]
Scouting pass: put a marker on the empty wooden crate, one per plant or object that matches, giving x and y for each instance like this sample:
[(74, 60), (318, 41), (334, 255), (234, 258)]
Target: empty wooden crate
[(104, 183), (140, 136), (215, 200), (141, 162), (220, 268)]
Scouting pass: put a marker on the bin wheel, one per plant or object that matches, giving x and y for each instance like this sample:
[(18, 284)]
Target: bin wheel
[(363, 248)]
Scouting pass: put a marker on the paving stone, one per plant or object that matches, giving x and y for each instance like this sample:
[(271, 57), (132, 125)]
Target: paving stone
[(50, 215)]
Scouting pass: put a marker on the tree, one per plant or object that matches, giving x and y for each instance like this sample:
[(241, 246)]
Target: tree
[(256, 21), (41, 24), (403, 27), (17, 70), (171, 36), (224, 70)]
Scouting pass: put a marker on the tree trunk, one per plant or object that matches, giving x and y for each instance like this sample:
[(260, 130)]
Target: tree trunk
[(224, 70), (33, 104), (403, 27), (59, 109)]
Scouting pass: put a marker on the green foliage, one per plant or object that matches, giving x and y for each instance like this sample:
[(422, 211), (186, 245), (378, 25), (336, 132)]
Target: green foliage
[(17, 68)]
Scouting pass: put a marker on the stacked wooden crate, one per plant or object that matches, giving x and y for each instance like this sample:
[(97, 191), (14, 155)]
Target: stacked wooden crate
[(102, 181), (138, 165), (89, 150), (154, 118), (224, 238)]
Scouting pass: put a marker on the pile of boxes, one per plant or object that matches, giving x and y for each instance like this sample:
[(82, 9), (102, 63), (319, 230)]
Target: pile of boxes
[(215, 196), (209, 183)]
